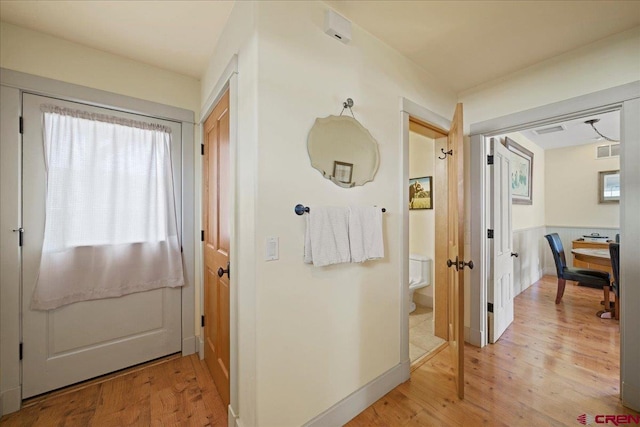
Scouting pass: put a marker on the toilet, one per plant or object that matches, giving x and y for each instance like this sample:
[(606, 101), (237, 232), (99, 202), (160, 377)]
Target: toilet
[(419, 275)]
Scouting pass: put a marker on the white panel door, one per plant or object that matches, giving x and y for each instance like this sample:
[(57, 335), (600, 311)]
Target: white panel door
[(86, 339), (501, 279)]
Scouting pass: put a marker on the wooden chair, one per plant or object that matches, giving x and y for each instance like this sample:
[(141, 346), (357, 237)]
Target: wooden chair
[(584, 275)]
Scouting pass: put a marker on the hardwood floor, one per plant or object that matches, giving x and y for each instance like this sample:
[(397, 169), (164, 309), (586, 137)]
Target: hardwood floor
[(175, 392), (554, 363)]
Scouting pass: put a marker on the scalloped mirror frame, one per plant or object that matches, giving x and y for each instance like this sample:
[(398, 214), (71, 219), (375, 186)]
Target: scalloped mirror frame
[(339, 141)]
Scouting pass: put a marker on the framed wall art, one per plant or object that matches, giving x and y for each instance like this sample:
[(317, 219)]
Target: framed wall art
[(521, 173)]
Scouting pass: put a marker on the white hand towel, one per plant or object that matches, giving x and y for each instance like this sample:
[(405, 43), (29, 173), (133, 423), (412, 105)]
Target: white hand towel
[(327, 236), (365, 233)]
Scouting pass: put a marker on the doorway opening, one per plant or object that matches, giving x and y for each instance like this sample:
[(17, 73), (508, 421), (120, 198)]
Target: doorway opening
[(427, 211), (572, 188)]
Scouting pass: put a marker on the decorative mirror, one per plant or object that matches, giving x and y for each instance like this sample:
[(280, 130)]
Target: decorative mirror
[(342, 150)]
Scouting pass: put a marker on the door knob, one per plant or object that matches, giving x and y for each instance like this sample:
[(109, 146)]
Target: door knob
[(467, 264), (515, 254), (221, 271), (453, 263)]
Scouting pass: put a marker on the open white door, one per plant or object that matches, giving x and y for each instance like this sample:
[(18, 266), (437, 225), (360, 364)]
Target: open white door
[(500, 289)]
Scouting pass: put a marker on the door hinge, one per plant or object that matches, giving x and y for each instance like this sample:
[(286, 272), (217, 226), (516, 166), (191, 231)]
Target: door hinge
[(490, 234), (20, 350), (490, 307), (21, 125), (490, 159), (181, 249), (20, 232), (202, 320), (202, 235), (202, 149)]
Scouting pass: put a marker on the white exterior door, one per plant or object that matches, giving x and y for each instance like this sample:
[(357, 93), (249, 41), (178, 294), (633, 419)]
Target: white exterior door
[(86, 339), (500, 295)]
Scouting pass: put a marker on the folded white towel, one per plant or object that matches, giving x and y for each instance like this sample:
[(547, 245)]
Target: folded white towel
[(327, 236), (365, 233)]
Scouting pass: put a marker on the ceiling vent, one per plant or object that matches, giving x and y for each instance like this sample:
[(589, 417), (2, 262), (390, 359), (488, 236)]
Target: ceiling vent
[(550, 129)]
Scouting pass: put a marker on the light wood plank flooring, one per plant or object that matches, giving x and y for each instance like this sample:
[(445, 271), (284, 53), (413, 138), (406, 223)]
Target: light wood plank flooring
[(554, 363), (175, 392)]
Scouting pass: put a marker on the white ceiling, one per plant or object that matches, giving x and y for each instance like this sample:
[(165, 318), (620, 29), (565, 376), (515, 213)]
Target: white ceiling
[(467, 43), (576, 132), (461, 43)]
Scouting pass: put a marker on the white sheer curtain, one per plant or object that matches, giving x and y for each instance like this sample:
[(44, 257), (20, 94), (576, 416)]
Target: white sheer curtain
[(110, 225)]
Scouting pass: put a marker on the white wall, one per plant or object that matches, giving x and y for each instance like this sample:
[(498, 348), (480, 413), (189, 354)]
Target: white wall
[(322, 333), (422, 221), (572, 188), (37, 53), (530, 216)]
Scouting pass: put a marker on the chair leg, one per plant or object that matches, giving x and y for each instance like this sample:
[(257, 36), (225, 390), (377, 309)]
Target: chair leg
[(607, 304), (617, 308), (561, 283)]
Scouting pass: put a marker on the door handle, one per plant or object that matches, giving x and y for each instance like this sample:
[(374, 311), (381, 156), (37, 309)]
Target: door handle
[(515, 254), (466, 264), (453, 263), (221, 271)]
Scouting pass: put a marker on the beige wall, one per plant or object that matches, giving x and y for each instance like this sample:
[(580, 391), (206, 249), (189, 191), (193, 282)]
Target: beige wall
[(37, 53), (422, 221), (571, 189), (323, 333), (530, 216), (578, 72)]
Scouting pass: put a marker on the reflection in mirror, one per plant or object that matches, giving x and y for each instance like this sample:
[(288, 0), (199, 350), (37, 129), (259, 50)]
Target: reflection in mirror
[(609, 187), (343, 151)]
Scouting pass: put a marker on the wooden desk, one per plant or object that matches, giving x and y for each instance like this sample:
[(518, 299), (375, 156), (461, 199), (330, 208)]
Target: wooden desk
[(593, 255)]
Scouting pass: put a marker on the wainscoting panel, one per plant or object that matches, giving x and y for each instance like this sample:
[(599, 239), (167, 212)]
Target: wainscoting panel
[(530, 245), (568, 235)]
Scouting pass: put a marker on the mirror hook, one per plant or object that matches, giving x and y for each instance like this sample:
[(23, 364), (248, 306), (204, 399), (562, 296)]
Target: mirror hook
[(348, 104)]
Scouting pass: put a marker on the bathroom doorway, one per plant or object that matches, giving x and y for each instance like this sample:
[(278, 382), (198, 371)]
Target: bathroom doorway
[(427, 213)]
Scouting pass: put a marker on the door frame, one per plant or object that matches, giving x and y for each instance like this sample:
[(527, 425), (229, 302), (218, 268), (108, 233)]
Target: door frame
[(409, 109), (608, 99), (10, 297), (228, 81)]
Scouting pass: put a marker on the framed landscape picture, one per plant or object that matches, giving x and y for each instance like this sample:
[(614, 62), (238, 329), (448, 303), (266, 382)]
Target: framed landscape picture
[(421, 193), (521, 173)]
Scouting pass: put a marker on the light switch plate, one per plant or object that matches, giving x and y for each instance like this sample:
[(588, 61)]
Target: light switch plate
[(271, 249)]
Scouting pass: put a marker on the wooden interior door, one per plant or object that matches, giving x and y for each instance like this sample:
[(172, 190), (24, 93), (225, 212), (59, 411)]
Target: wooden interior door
[(216, 245), (455, 228)]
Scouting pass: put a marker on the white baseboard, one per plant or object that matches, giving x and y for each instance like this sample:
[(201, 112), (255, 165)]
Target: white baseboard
[(473, 336), (10, 401), (233, 420), (630, 396), (188, 346), (345, 410), (201, 347)]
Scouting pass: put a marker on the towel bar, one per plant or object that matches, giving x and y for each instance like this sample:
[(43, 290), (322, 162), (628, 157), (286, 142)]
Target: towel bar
[(301, 209)]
